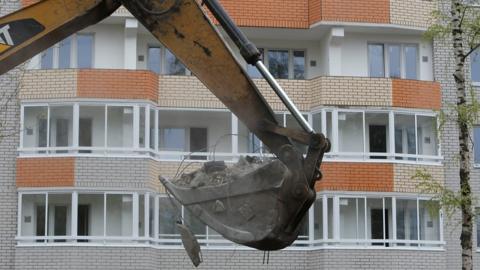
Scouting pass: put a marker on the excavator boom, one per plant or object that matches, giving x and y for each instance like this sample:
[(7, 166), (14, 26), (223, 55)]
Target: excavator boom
[(258, 204)]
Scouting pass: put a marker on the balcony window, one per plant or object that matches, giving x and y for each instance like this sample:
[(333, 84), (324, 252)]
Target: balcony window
[(196, 132), (291, 122), (405, 142), (33, 215), (429, 222), (35, 131), (91, 215), (411, 62), (64, 53), (84, 50), (399, 61), (395, 64), (350, 132), (120, 126), (407, 225), (169, 214), (59, 215), (119, 215), (376, 60), (318, 219), (162, 61), (91, 127), (352, 218), (109, 218), (47, 59), (377, 134), (475, 66), (282, 64), (151, 129), (427, 135), (247, 141), (61, 127), (278, 63)]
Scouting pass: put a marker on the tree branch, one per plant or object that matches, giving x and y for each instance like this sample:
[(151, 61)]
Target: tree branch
[(471, 51)]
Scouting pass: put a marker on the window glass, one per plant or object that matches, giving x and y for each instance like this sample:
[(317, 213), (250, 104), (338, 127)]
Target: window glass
[(298, 65), (64, 54), (377, 134), (411, 59), (476, 143), (152, 129), (475, 65), (278, 63), (376, 60), (394, 56), (61, 126), (350, 131), (120, 127), (406, 220), (84, 50), (119, 215), (292, 123), (352, 218), (247, 141), (47, 58), (33, 214), (173, 66), (427, 135), (154, 59), (330, 217), (141, 129), (252, 71), (59, 215), (405, 142), (429, 222), (141, 215), (318, 219), (173, 139), (477, 221), (151, 217), (90, 215), (91, 127), (196, 225), (35, 127), (169, 214)]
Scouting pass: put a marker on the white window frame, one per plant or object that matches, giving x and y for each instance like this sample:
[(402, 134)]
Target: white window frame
[(386, 59)]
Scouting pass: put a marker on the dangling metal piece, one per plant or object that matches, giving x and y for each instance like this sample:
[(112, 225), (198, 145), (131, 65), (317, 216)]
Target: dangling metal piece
[(190, 244)]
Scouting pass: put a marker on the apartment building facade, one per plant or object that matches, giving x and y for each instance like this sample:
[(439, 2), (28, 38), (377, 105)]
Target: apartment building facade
[(104, 112)]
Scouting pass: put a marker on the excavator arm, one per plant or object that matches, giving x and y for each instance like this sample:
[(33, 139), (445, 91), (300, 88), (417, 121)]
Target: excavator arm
[(260, 205)]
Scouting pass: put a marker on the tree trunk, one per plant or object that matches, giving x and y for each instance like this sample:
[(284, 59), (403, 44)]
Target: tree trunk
[(459, 75)]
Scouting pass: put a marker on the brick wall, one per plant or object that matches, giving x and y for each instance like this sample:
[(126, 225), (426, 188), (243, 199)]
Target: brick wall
[(404, 172), (45, 172), (48, 84), (108, 258), (372, 11), (122, 84), (268, 13), (340, 90), (416, 94), (28, 2), (350, 176), (414, 13)]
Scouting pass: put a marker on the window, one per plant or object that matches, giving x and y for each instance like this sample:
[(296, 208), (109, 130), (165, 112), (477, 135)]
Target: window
[(475, 66), (376, 129), (35, 131), (120, 127), (169, 214), (282, 64), (376, 60), (119, 215), (61, 126), (350, 126), (429, 220), (162, 61), (393, 60), (352, 218), (75, 51), (407, 227), (318, 219), (33, 215), (59, 215), (91, 215), (405, 142), (476, 144), (84, 51), (91, 127)]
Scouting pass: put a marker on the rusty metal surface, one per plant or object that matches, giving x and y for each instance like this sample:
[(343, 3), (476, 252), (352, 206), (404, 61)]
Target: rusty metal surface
[(186, 31), (37, 27)]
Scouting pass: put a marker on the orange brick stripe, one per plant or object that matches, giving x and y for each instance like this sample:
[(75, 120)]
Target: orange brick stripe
[(45, 172), (349, 176), (314, 11), (121, 84), (371, 11), (416, 94)]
